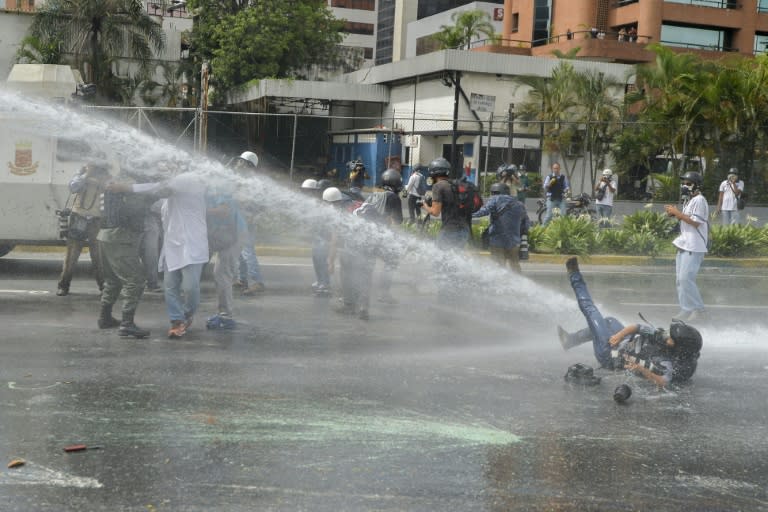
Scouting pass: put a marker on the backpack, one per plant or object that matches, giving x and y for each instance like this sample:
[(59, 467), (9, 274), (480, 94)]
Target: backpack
[(468, 199), (421, 188), (374, 207)]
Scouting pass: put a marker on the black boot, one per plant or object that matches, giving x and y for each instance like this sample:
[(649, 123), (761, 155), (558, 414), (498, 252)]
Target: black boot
[(572, 265), (106, 320), (128, 328), (570, 340)]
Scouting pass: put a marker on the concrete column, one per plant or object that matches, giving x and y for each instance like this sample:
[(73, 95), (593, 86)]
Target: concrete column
[(744, 38), (507, 24), (649, 19)]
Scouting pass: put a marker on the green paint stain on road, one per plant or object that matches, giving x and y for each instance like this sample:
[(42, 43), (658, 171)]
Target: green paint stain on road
[(288, 421)]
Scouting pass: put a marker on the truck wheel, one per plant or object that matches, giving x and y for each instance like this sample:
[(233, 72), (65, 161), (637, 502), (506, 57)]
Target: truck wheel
[(5, 249)]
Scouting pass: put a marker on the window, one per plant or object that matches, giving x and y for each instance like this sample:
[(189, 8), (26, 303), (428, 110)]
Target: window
[(515, 22), (695, 37), (363, 5), (762, 5), (718, 4), (368, 53), (352, 27), (761, 43)]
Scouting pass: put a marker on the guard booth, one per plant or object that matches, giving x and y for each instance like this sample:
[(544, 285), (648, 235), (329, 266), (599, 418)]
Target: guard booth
[(379, 148)]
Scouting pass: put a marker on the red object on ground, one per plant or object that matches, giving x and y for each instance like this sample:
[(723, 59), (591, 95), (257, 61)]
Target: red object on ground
[(80, 448)]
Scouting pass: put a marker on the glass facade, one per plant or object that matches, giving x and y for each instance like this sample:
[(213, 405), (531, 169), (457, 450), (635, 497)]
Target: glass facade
[(542, 12), (385, 31), (432, 7), (694, 37), (762, 5), (761, 43), (718, 4)]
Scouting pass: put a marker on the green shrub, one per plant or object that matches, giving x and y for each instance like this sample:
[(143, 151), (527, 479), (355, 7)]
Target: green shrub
[(647, 221), (570, 235), (738, 241), (535, 235)]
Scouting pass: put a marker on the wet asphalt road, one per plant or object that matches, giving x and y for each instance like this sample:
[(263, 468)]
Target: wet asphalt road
[(420, 408)]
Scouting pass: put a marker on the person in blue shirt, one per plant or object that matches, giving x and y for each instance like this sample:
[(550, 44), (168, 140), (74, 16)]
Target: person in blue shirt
[(556, 187), (508, 220)]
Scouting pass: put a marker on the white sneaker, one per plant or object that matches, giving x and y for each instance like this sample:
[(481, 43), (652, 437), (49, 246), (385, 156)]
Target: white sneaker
[(681, 316), (697, 314)]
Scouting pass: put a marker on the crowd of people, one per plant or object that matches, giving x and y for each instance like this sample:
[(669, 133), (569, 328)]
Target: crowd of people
[(126, 221)]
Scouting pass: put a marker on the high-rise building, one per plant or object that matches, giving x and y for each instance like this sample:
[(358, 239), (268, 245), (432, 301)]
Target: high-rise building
[(602, 29), (360, 25), (428, 8), (385, 31)]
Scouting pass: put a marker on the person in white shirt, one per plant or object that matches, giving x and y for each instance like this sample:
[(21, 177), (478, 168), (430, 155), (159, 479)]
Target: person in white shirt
[(412, 188), (604, 192), (185, 243), (691, 245), (727, 202)]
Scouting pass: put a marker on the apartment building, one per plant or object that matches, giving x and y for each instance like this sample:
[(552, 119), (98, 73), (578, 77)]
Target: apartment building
[(602, 29), (360, 25)]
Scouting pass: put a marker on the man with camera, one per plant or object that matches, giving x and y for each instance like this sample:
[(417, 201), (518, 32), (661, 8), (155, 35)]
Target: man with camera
[(84, 222), (660, 356), (731, 189), (454, 232), (556, 187), (604, 193), (691, 244)]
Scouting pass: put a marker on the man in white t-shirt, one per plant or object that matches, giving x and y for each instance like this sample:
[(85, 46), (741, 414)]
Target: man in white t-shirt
[(691, 245), (730, 190), (185, 242), (604, 193)]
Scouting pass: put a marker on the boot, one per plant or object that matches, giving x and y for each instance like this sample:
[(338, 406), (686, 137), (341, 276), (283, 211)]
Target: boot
[(572, 265), (106, 320), (128, 328), (63, 289), (570, 340)]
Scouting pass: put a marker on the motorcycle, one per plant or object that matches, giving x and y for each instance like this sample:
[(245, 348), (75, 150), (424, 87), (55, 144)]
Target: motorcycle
[(574, 208)]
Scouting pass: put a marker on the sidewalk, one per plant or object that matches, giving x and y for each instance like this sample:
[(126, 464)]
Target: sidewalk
[(301, 251)]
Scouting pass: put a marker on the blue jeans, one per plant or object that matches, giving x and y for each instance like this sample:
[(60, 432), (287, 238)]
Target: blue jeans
[(601, 328), (551, 205), (250, 270), (604, 211), (729, 217), (185, 280), (453, 239), (320, 262), (687, 265)]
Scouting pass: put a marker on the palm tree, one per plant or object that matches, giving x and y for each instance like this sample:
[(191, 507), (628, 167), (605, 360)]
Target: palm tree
[(467, 25), (34, 50), (96, 32)]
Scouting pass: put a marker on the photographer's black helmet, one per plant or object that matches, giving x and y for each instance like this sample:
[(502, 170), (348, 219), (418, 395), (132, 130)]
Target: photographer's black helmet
[(694, 177), (499, 189), (687, 339), (392, 179), (439, 167), (323, 184)]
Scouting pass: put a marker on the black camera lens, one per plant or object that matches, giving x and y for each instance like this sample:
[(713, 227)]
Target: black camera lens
[(622, 393)]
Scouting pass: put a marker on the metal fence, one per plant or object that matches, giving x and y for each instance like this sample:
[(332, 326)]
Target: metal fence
[(302, 145)]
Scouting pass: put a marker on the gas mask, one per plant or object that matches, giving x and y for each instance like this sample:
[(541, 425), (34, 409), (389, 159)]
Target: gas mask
[(686, 191)]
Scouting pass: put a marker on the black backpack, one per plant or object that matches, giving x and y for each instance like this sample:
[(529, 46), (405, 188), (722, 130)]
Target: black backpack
[(467, 198)]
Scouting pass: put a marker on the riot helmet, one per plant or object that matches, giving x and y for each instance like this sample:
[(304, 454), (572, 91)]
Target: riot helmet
[(332, 195), (309, 184), (251, 158), (500, 189), (439, 167), (392, 179), (607, 173)]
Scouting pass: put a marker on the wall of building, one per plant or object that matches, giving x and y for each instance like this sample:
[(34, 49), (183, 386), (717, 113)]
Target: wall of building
[(432, 25), (368, 42), (13, 28)]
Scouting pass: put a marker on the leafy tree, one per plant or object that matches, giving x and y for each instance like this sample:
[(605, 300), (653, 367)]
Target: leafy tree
[(244, 40), (35, 50), (467, 25), (98, 31)]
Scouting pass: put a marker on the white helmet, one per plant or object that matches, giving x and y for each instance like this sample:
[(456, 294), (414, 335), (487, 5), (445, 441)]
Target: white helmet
[(250, 156), (607, 172), (332, 195), (309, 184)]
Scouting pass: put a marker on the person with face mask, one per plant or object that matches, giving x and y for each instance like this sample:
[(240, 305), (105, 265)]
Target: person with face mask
[(727, 201), (691, 245)]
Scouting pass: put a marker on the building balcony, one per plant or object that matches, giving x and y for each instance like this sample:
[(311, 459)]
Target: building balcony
[(605, 46), (505, 46)]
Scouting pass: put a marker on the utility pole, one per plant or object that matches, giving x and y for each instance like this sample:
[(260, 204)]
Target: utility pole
[(510, 132), (203, 144), (456, 79)]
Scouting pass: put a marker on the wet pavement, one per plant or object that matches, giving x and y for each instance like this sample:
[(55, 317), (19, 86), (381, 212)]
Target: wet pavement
[(424, 407)]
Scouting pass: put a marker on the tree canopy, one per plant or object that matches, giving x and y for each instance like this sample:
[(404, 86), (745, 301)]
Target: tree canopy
[(96, 32), (246, 40), (467, 25)]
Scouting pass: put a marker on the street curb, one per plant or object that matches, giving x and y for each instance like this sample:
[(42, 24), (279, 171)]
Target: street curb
[(295, 251)]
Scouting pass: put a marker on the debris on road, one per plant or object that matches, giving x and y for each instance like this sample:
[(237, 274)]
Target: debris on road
[(15, 463)]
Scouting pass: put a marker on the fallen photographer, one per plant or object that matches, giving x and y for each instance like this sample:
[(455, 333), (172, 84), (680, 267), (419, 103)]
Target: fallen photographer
[(655, 354)]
